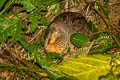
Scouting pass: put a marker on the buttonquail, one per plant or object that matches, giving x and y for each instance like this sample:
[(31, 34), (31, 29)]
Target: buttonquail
[(58, 34)]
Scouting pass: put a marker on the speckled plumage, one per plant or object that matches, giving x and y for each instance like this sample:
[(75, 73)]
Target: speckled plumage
[(60, 30)]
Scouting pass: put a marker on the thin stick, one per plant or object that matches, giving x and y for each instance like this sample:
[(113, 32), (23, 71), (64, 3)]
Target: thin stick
[(17, 57)]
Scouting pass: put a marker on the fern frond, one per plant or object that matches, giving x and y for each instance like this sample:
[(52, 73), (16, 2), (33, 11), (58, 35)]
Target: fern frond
[(36, 19), (27, 5), (10, 27)]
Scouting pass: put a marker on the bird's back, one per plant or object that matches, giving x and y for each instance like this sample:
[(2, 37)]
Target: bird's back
[(73, 22)]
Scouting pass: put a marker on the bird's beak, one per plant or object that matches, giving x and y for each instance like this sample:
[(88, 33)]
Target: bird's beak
[(52, 40), (52, 45)]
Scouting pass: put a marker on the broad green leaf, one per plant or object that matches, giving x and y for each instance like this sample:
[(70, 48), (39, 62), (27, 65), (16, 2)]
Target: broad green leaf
[(10, 27), (78, 39), (85, 67), (2, 2)]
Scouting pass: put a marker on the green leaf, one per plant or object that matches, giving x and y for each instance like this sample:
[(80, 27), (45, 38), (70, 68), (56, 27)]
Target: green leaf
[(50, 73), (44, 21), (119, 22), (46, 1), (106, 1), (78, 39), (35, 19), (76, 1), (53, 56), (2, 65), (108, 77), (85, 67), (105, 44), (43, 32), (54, 8), (10, 27), (32, 28), (28, 6), (86, 5), (65, 78), (20, 75), (96, 6), (2, 2), (34, 49), (39, 58), (92, 27), (105, 12), (102, 49)]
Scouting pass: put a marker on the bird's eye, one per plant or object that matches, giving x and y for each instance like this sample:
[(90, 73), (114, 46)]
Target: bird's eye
[(55, 33), (54, 37)]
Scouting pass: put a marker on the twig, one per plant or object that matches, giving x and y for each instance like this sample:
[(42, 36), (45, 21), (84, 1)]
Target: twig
[(33, 38), (25, 63), (36, 35), (100, 32), (90, 46)]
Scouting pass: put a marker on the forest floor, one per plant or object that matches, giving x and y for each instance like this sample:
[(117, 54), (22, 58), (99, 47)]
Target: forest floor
[(10, 60)]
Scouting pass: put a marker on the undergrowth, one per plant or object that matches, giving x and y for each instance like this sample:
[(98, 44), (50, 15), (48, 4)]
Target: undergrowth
[(28, 16)]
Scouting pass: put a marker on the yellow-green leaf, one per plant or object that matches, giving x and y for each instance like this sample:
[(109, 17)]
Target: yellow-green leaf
[(85, 67)]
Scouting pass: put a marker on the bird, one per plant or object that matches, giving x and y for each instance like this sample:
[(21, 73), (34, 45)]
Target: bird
[(57, 38)]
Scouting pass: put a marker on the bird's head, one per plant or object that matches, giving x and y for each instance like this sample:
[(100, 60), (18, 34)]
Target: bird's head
[(56, 39)]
